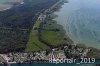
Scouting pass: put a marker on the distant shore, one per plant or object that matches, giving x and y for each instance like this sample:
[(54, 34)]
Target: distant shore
[(11, 4)]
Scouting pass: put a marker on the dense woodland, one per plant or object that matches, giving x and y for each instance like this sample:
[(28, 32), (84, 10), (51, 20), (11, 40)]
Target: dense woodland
[(17, 22)]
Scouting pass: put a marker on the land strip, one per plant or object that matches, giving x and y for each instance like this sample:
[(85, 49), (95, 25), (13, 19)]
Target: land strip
[(40, 37)]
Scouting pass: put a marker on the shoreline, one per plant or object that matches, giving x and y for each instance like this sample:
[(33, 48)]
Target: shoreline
[(78, 44), (78, 35), (69, 36), (14, 63)]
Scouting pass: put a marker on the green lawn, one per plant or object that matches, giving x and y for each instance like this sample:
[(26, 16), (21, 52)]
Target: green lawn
[(49, 34), (34, 44), (53, 37)]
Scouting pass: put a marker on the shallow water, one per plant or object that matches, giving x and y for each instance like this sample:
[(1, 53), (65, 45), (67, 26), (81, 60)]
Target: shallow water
[(81, 20), (47, 64)]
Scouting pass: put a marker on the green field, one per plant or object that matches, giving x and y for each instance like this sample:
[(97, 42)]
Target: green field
[(34, 44), (51, 32)]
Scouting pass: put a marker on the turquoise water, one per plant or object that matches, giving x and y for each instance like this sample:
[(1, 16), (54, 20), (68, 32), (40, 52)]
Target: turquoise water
[(81, 20), (5, 6), (51, 65)]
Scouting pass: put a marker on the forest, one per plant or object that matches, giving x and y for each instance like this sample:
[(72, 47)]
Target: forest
[(17, 22)]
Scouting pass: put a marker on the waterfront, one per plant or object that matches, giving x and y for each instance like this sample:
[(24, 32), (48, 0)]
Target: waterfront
[(80, 19)]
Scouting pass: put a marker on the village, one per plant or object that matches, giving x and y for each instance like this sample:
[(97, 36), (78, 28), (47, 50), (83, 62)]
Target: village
[(66, 52)]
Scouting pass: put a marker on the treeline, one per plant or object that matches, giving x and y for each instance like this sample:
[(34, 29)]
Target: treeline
[(18, 18)]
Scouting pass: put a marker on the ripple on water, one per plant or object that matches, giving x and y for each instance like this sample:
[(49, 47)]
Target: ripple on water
[(82, 21)]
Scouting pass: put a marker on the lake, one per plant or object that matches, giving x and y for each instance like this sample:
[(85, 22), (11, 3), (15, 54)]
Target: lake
[(52, 64), (4, 5), (81, 20)]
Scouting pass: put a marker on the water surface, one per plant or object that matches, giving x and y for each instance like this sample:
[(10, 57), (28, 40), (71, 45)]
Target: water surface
[(81, 20), (4, 5), (45, 64)]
